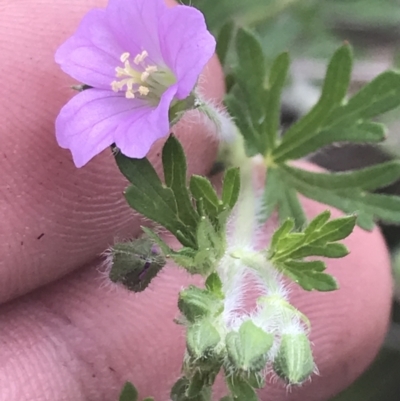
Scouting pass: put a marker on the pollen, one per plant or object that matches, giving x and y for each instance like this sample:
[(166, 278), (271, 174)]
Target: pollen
[(132, 78)]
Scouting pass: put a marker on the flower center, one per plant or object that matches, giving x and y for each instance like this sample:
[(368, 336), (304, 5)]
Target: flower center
[(142, 79)]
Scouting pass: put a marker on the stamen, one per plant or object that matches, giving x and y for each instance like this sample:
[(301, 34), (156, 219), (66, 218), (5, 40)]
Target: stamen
[(144, 90), (124, 57), (140, 80), (140, 57), (129, 94)]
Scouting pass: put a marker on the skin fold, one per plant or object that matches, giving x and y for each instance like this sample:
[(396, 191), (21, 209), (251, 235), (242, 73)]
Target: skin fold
[(66, 334)]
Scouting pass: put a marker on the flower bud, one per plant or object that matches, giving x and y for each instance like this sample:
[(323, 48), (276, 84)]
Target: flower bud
[(247, 349), (195, 303), (201, 339), (135, 263), (294, 362)]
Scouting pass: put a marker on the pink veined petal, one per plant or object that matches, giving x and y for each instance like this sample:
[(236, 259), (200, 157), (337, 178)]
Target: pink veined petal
[(135, 23), (138, 134), (87, 123), (186, 45), (92, 53)]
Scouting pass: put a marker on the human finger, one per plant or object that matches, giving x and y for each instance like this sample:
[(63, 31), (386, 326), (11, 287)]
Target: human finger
[(55, 217)]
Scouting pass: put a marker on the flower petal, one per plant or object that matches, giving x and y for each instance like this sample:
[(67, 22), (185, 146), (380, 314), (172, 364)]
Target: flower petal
[(186, 45), (92, 53), (135, 23), (137, 135), (87, 123)]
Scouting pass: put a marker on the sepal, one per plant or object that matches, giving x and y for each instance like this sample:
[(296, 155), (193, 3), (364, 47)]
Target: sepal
[(294, 362)]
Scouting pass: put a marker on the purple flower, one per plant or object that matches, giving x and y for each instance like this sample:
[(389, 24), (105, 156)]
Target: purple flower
[(140, 57)]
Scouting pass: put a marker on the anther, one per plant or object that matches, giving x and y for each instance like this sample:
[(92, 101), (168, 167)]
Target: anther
[(140, 57), (124, 57)]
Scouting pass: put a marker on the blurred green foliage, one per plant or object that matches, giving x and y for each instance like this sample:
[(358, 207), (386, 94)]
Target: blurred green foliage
[(304, 27)]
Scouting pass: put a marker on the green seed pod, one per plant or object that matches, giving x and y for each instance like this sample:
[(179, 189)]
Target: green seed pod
[(201, 339), (247, 349), (294, 362), (195, 303), (136, 263)]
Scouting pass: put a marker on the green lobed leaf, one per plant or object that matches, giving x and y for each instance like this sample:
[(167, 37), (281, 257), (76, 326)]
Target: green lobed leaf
[(377, 97), (362, 132), (309, 275), (367, 206), (328, 251), (247, 99), (285, 228), (290, 207), (333, 92), (317, 223), (148, 196), (174, 165), (202, 189), (369, 178), (288, 249), (128, 393), (320, 233), (251, 58), (342, 122)]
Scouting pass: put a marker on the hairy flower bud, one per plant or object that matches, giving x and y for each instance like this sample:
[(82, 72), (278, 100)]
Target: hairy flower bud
[(135, 263), (294, 362), (247, 349), (196, 304)]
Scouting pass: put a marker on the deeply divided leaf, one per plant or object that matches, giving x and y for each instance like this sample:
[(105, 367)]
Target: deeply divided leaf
[(148, 196), (350, 197), (319, 238)]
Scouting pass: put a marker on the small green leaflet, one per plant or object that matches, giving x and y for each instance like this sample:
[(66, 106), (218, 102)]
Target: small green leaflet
[(288, 249)]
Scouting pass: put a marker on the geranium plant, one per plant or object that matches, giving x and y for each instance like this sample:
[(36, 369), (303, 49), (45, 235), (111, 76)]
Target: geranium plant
[(138, 63)]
